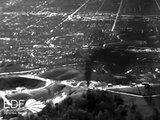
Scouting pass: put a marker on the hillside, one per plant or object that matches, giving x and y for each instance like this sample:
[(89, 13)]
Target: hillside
[(62, 97)]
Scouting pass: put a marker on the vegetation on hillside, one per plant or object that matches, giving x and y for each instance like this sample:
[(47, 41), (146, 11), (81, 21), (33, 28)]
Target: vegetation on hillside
[(92, 105)]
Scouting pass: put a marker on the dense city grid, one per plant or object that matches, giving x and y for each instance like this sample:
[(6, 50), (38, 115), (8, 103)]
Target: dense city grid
[(37, 34)]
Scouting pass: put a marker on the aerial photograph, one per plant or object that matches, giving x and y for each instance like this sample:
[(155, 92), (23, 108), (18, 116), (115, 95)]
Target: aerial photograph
[(79, 59)]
